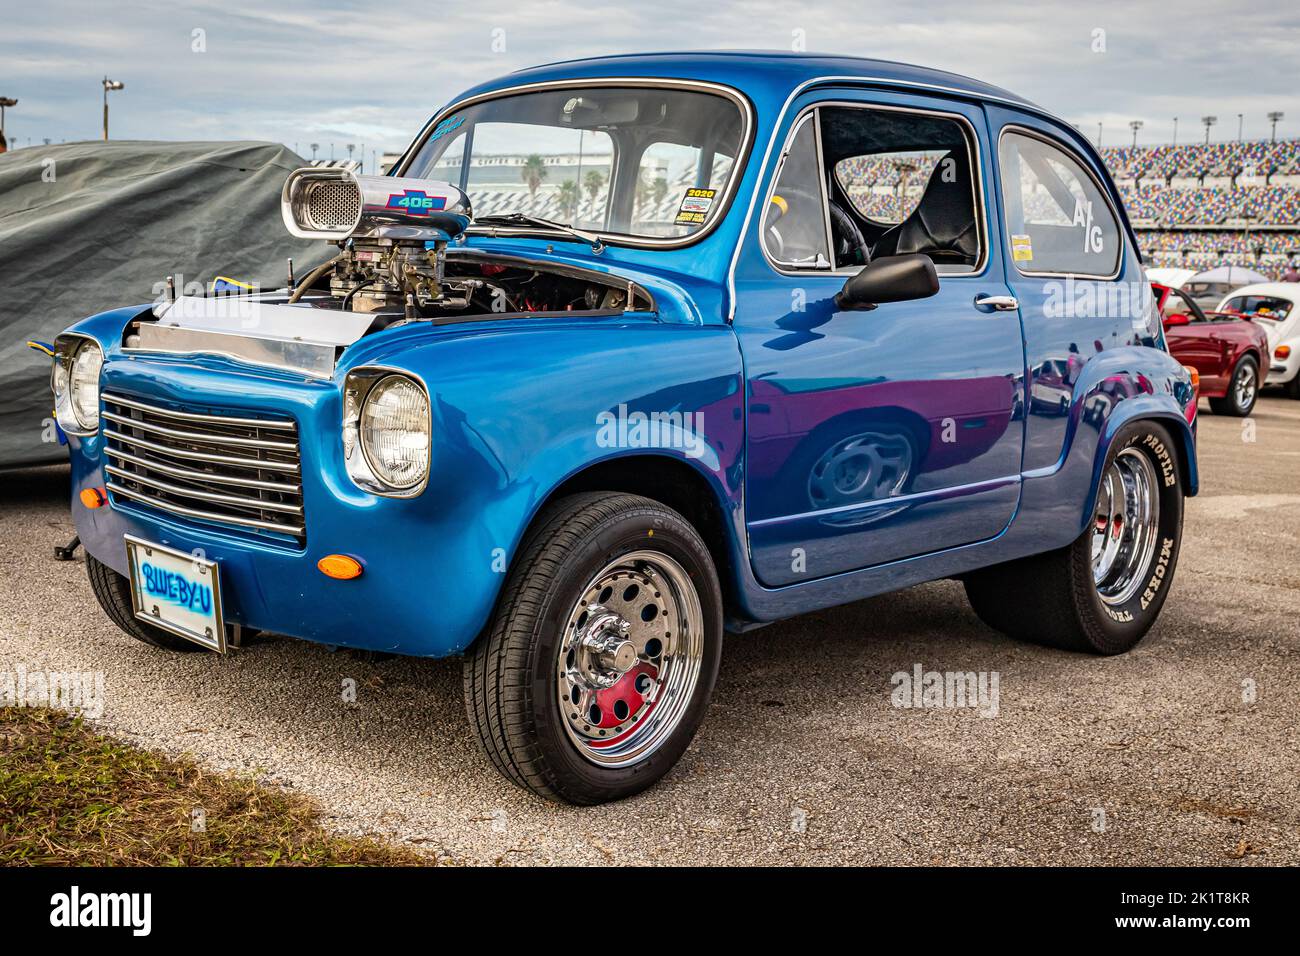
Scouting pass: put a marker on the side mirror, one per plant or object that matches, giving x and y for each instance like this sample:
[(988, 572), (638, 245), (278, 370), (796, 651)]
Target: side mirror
[(889, 279), (1177, 318)]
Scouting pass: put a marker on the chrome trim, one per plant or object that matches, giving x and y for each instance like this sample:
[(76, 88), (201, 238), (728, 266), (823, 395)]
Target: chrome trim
[(202, 456), (1074, 155), (177, 472), (979, 194), (232, 489), (252, 504), (313, 359), (194, 416), (206, 438), (205, 515), (402, 166)]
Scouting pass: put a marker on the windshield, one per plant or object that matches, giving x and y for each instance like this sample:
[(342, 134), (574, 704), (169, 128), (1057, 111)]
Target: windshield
[(1259, 306), (644, 162)]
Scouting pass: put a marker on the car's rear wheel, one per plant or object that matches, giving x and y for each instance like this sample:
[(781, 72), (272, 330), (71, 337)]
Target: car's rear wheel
[(113, 592), (598, 665), (1103, 592), (1243, 389)]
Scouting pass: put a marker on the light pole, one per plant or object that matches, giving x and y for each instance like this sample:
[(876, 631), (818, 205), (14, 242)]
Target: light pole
[(1175, 142), (109, 85), (1135, 125), (314, 147), (1273, 117), (7, 101), (1208, 121), (1239, 125), (1099, 135), (351, 147)]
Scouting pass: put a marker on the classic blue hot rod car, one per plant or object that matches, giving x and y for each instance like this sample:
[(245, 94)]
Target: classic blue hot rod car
[(633, 351)]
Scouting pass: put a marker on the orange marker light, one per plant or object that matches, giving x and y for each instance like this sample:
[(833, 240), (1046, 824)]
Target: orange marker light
[(339, 567), (1196, 378), (1282, 351), (93, 498)]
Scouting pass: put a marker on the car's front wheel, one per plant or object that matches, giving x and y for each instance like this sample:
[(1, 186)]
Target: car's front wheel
[(1243, 388), (113, 592), (1103, 592), (598, 665)]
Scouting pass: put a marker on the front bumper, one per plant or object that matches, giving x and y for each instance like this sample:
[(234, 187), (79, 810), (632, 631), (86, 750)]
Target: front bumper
[(427, 584)]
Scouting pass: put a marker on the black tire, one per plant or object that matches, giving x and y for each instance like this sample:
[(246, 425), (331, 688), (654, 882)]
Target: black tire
[(1051, 598), (510, 672), (1293, 387), (113, 592), (1229, 404)]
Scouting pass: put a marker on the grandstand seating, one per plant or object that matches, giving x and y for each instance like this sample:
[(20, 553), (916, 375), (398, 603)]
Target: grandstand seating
[(1227, 191)]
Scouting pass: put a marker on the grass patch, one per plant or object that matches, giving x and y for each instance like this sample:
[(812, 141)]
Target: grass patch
[(71, 796)]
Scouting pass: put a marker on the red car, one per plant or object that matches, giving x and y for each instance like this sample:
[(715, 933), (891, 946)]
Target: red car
[(1226, 349)]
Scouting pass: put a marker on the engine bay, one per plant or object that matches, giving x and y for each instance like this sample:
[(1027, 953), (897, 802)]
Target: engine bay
[(467, 284)]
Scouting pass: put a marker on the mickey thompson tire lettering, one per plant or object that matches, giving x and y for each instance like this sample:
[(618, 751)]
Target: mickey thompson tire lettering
[(1052, 598)]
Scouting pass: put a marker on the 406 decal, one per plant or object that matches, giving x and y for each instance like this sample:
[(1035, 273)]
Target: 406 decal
[(416, 202)]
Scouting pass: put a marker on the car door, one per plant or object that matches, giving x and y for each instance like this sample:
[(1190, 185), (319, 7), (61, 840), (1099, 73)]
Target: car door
[(1196, 341), (879, 435), (1079, 283)]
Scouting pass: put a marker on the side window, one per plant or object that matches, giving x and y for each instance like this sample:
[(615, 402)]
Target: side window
[(902, 182), (1057, 219), (794, 222)]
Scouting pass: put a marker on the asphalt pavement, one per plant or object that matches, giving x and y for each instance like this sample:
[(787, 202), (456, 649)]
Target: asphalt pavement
[(1184, 751)]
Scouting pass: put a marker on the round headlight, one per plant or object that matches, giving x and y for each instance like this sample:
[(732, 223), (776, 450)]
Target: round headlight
[(394, 432), (83, 384)]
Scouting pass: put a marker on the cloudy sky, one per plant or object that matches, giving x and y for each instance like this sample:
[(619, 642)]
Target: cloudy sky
[(337, 72)]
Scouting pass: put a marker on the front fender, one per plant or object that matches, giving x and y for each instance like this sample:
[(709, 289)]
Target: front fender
[(517, 412)]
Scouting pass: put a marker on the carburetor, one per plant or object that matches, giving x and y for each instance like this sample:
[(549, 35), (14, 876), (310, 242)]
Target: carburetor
[(393, 233)]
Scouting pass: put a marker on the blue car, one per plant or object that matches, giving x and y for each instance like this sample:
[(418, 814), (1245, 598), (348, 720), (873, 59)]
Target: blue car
[(630, 352)]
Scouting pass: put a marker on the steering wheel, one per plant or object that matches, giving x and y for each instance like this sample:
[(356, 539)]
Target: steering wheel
[(849, 241), (850, 244)]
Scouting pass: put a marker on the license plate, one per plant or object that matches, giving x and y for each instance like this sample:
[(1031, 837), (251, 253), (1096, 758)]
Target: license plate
[(176, 591)]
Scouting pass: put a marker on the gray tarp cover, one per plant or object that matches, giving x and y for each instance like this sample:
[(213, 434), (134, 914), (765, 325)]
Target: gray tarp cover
[(86, 227)]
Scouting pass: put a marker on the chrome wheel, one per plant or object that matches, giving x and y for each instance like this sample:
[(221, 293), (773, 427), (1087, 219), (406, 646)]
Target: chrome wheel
[(1124, 526), (630, 658), (1244, 385)]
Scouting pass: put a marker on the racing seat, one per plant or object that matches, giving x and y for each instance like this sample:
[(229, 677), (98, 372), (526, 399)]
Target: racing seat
[(943, 224)]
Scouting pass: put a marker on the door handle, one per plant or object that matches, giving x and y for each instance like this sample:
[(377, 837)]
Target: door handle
[(996, 303)]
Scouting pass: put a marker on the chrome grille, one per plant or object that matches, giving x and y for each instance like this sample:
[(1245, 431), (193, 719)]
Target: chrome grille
[(242, 473), (332, 204)]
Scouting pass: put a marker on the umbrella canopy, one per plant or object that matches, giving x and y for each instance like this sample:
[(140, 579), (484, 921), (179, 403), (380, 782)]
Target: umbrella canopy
[(1230, 275)]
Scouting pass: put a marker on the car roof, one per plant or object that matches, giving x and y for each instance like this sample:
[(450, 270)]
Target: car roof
[(1282, 290), (759, 73)]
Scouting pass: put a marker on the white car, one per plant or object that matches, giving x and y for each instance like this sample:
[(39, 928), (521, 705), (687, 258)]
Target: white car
[(1273, 305)]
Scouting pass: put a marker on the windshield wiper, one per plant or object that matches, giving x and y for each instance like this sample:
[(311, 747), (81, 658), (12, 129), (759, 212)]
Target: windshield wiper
[(522, 219)]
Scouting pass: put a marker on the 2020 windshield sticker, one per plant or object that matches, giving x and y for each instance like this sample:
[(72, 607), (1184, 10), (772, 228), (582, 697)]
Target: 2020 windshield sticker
[(1022, 248), (695, 207)]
